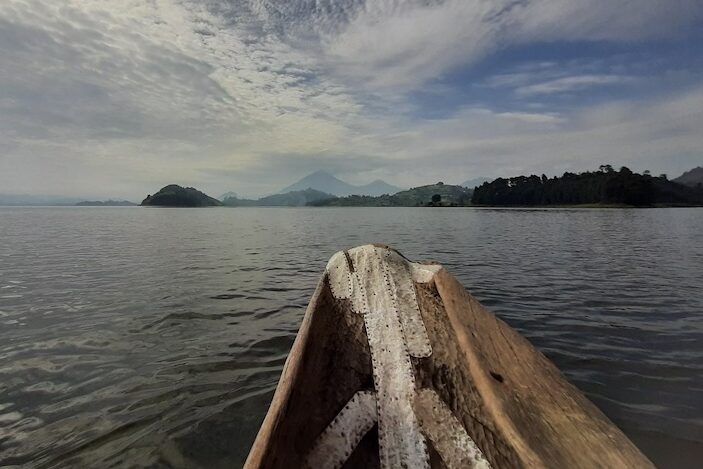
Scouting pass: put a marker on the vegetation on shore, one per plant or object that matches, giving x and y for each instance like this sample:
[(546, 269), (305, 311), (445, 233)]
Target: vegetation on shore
[(106, 203), (433, 195), (603, 187), (289, 199), (177, 196)]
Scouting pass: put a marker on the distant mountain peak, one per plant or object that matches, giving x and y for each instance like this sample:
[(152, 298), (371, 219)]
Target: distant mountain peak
[(471, 183), (229, 195), (692, 177), (321, 172), (325, 182)]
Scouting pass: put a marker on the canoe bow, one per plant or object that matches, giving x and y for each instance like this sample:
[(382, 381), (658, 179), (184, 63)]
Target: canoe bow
[(397, 365)]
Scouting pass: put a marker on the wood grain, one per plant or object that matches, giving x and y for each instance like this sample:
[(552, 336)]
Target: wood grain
[(511, 400), (525, 401)]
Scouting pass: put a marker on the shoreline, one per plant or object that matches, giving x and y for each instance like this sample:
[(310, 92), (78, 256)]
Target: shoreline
[(584, 206)]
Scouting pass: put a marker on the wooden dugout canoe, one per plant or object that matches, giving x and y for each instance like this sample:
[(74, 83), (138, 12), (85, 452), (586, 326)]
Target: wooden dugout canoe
[(396, 365)]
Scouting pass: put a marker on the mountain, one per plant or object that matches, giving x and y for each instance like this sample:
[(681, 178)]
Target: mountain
[(433, 195), (289, 199), (228, 195), (475, 182), (376, 188), (177, 196), (106, 203), (691, 178), (325, 182)]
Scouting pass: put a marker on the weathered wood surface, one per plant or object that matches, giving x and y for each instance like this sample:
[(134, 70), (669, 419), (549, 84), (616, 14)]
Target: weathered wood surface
[(516, 408)]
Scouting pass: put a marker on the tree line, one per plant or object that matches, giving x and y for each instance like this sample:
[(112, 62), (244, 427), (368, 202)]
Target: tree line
[(605, 186)]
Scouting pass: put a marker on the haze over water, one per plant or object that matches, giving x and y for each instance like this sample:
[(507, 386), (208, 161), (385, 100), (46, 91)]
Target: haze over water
[(155, 337)]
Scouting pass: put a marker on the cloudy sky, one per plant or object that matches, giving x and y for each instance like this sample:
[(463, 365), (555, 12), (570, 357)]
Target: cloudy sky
[(116, 98)]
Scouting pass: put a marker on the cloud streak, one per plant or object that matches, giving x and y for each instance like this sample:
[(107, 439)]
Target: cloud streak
[(572, 83)]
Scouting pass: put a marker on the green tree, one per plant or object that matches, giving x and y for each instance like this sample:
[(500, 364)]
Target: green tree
[(436, 199), (604, 186)]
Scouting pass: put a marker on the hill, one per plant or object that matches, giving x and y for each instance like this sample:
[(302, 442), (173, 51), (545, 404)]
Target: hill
[(691, 178), (106, 203), (177, 196), (289, 199), (603, 187), (325, 182), (433, 195)]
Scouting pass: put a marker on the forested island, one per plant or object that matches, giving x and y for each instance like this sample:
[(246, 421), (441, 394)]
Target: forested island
[(605, 187), (177, 196)]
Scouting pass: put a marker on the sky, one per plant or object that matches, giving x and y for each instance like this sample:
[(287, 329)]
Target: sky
[(115, 99)]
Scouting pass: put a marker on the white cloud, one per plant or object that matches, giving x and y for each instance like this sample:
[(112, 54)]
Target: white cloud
[(572, 83), (532, 80), (405, 43), (243, 94), (599, 20), (138, 85), (656, 133)]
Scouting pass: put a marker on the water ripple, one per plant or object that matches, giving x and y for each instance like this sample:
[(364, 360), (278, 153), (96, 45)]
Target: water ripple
[(155, 338)]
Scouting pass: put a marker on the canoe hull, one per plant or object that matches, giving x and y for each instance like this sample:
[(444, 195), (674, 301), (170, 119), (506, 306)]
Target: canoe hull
[(507, 398)]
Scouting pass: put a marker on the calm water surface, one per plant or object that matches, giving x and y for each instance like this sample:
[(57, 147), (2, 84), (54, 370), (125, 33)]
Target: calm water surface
[(133, 337)]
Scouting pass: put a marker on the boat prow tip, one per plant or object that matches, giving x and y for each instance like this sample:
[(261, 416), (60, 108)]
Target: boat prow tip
[(341, 263)]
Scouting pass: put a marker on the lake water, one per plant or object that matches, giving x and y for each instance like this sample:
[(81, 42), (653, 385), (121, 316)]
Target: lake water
[(135, 337)]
